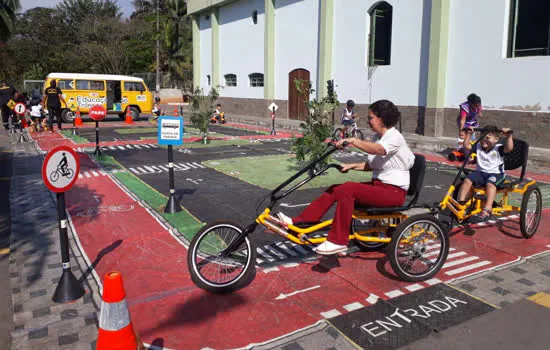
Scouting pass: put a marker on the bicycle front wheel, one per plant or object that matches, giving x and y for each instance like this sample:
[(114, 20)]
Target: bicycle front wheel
[(214, 269), (358, 134)]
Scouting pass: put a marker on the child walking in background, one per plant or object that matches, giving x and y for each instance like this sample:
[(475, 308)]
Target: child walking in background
[(469, 112)]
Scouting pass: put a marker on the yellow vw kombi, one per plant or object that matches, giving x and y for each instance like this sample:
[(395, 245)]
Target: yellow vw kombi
[(117, 93)]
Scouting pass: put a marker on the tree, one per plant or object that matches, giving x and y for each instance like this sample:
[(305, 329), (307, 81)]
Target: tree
[(202, 108), (317, 126), (8, 10), (178, 40)]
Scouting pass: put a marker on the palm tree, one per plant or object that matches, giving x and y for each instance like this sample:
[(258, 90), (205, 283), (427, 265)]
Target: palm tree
[(8, 10), (177, 40)]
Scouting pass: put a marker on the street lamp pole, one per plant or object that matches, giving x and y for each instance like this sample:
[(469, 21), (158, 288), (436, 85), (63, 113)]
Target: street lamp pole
[(158, 51)]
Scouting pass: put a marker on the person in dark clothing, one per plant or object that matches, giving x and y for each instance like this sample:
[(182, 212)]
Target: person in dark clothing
[(8, 95), (52, 99)]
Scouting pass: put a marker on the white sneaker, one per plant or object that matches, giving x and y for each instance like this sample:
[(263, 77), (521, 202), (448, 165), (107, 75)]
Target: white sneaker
[(285, 219), (329, 248)]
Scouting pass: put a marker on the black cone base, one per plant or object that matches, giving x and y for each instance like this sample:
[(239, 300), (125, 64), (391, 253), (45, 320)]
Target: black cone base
[(97, 152), (68, 289), (173, 205)]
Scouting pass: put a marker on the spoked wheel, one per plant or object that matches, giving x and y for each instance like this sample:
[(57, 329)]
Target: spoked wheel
[(363, 225), (54, 176), (358, 134), (214, 269), (338, 134), (419, 248), (531, 210)]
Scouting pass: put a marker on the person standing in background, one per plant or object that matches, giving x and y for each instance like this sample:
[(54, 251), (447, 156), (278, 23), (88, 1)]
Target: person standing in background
[(8, 94), (469, 112), (52, 99)]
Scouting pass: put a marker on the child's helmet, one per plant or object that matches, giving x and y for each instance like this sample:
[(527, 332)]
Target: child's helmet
[(157, 99), (350, 104)]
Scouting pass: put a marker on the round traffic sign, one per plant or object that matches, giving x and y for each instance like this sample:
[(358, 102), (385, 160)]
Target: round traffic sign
[(20, 109), (60, 169), (98, 113)]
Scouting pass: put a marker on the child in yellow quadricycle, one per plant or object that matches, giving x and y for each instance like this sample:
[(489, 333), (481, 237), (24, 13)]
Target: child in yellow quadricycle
[(490, 167), (218, 116)]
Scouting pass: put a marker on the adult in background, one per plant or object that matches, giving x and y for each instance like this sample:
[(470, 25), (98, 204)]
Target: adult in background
[(52, 99), (7, 94), (469, 112)]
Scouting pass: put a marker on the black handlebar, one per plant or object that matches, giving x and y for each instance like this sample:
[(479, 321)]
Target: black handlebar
[(331, 148), (487, 130)]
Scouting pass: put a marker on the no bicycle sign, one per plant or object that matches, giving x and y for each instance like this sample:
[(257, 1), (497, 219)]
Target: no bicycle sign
[(170, 131), (60, 169)]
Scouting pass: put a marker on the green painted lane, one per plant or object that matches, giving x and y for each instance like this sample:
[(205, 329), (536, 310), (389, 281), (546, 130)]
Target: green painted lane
[(77, 139), (184, 221), (269, 171)]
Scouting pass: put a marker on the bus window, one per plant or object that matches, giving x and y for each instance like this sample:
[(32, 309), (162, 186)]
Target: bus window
[(65, 84), (90, 85), (134, 86)]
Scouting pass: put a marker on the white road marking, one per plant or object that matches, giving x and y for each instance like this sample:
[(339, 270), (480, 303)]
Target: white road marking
[(331, 313), (284, 296), (432, 282), (94, 173), (414, 287), (353, 306), (283, 247), (394, 293), (467, 268), (372, 298), (459, 261)]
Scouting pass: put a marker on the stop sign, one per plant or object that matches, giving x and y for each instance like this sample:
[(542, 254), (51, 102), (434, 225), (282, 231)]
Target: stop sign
[(98, 113)]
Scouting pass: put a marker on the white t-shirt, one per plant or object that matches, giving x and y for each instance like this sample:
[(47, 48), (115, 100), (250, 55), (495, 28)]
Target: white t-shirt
[(35, 111), (392, 168), (491, 162)]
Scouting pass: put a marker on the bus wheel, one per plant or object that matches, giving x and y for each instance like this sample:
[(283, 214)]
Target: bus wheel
[(67, 116), (134, 112)]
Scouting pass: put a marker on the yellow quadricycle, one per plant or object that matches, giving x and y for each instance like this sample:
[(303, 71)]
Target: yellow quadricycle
[(530, 209), (222, 257)]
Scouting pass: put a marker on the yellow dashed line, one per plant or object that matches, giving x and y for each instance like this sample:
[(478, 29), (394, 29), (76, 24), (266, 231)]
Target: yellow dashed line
[(541, 299), (4, 251), (4, 179)]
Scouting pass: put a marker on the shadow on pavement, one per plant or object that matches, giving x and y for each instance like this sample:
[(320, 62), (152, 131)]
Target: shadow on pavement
[(98, 258)]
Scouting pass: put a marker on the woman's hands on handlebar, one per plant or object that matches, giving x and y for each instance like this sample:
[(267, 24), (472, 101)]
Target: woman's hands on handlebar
[(340, 144)]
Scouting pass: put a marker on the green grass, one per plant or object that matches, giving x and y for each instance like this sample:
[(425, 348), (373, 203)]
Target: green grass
[(77, 139), (186, 223), (270, 171), (136, 131), (213, 143)]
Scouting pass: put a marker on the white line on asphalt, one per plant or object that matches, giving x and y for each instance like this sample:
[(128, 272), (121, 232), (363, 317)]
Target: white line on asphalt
[(151, 170), (143, 171), (163, 168), (331, 313), (284, 296), (298, 248), (120, 147), (459, 261), (264, 254), (271, 269), (95, 173), (289, 265), (414, 287), (432, 282), (134, 170), (112, 147), (80, 176), (137, 146), (285, 248), (183, 166), (153, 145), (275, 252), (372, 299), (394, 293), (467, 268), (353, 306), (146, 146), (87, 174), (514, 216)]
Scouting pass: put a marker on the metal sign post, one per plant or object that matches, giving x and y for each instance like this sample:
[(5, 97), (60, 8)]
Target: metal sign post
[(273, 107), (97, 113), (170, 133), (20, 109), (59, 172)]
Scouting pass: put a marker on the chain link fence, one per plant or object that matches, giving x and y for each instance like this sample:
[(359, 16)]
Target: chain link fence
[(167, 81)]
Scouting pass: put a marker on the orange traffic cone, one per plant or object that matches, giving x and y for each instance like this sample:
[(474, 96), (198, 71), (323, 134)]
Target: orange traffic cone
[(176, 111), (129, 119), (24, 122), (115, 326), (77, 119)]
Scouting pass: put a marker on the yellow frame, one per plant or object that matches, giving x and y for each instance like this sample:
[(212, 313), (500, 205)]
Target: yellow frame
[(459, 210)]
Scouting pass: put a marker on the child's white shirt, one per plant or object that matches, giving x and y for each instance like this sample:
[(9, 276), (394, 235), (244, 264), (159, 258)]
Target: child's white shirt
[(36, 111)]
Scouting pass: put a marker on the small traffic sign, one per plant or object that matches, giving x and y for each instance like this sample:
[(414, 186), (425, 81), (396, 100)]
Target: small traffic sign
[(272, 106), (20, 109), (98, 113), (170, 131), (60, 169)]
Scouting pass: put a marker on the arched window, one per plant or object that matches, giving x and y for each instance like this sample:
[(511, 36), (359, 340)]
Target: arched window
[(256, 79), (230, 80), (255, 17), (529, 28), (380, 34)]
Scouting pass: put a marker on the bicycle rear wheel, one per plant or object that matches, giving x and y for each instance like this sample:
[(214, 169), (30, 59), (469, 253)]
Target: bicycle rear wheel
[(339, 134), (358, 134)]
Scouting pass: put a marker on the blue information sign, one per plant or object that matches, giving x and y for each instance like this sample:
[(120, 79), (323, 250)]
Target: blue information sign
[(170, 131)]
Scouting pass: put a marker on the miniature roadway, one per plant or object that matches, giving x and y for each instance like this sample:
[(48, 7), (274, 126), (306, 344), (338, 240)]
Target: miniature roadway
[(112, 210)]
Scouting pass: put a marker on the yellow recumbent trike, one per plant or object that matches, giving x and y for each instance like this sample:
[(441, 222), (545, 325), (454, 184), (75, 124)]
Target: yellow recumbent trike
[(531, 203), (222, 257)]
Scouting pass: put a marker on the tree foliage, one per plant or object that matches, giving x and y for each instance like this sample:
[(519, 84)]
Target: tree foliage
[(91, 36), (317, 127), (8, 9), (202, 108)]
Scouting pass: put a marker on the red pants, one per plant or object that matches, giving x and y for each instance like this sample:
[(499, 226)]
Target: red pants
[(369, 194)]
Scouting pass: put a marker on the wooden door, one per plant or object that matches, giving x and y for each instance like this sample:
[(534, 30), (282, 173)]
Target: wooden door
[(297, 108)]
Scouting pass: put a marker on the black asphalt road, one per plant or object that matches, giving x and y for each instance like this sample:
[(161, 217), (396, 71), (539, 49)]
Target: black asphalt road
[(108, 133), (211, 195)]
